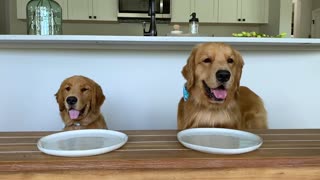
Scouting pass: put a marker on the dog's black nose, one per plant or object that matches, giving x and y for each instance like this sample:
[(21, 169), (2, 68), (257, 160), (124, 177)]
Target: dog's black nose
[(223, 76), (72, 100)]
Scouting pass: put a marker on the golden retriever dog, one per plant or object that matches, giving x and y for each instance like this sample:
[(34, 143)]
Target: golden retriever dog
[(213, 96), (80, 99)]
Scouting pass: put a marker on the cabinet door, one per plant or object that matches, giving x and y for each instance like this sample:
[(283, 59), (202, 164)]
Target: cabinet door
[(180, 10), (105, 10), (22, 9), (229, 11), (64, 7), (254, 11), (207, 10), (79, 9)]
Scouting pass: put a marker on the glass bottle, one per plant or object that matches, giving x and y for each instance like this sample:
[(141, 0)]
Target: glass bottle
[(44, 17), (194, 24)]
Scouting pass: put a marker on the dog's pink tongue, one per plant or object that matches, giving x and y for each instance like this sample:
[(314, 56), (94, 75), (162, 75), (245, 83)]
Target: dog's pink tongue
[(219, 93), (74, 114)]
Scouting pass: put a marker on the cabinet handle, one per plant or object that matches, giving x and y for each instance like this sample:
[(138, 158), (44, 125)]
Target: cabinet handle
[(243, 19), (239, 19), (90, 17), (95, 17)]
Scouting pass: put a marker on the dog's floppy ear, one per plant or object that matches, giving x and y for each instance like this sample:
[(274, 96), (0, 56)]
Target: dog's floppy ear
[(239, 65), (60, 99), (98, 98), (189, 68)]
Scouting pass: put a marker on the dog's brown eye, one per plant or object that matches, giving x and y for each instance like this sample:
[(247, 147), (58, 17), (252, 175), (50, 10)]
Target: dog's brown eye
[(68, 88), (207, 60), (230, 60), (84, 89)]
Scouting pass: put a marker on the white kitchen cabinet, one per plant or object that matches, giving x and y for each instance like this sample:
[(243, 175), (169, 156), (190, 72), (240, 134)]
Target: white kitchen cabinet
[(79, 9), (255, 11), (106, 10), (228, 11), (206, 10), (22, 8), (243, 11), (180, 10), (97, 10)]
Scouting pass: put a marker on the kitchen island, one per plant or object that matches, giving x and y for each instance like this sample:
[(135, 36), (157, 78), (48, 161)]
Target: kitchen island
[(141, 78), (152, 42)]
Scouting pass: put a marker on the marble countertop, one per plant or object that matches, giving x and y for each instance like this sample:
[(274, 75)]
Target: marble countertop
[(154, 43)]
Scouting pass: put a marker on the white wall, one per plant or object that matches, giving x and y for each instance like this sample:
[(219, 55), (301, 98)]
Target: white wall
[(2, 17), (302, 18), (285, 17), (107, 28), (272, 27), (280, 13), (143, 87), (315, 4)]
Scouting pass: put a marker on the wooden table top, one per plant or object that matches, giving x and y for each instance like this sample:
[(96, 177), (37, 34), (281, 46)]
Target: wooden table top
[(160, 149)]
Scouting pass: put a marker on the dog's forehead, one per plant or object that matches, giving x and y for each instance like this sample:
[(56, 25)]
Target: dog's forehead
[(77, 81), (215, 49)]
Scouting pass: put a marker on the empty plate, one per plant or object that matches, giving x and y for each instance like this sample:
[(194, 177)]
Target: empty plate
[(219, 140), (79, 143)]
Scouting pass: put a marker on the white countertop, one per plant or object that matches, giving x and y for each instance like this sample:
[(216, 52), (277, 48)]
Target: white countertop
[(156, 43)]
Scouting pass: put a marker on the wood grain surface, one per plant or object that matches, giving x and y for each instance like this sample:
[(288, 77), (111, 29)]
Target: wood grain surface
[(286, 153)]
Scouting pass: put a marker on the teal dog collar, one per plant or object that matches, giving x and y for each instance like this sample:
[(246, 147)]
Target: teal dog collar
[(185, 93)]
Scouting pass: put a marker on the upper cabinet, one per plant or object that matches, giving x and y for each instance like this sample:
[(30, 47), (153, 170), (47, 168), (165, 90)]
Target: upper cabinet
[(22, 6), (255, 11), (228, 11), (243, 11), (80, 9), (221, 11), (206, 10), (105, 10), (99, 10), (22, 9), (180, 10)]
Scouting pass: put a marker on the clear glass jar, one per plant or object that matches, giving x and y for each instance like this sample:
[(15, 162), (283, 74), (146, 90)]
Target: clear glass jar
[(44, 17), (194, 24)]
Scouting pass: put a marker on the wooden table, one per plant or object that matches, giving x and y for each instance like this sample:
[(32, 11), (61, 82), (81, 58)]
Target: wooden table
[(290, 154)]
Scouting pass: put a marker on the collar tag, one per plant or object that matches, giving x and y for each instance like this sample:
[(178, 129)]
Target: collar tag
[(185, 93), (76, 124)]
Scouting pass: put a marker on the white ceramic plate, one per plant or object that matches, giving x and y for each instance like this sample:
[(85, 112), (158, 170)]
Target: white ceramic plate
[(79, 143), (219, 140)]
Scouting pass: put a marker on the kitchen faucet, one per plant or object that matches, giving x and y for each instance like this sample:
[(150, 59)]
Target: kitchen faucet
[(152, 13)]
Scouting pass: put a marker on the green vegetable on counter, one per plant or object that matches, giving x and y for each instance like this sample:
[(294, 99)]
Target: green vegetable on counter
[(258, 35)]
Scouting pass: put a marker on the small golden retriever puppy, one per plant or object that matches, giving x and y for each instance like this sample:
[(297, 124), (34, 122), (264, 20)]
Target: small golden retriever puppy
[(213, 96), (80, 99)]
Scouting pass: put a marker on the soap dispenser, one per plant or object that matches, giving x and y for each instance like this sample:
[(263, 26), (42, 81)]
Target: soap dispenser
[(194, 24)]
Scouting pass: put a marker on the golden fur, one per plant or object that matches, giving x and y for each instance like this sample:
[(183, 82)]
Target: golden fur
[(241, 108), (89, 98)]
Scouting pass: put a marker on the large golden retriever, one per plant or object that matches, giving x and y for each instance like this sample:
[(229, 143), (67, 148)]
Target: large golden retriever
[(80, 99), (213, 95)]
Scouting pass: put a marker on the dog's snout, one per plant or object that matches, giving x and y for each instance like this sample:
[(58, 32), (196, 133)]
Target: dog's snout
[(223, 76), (72, 100)]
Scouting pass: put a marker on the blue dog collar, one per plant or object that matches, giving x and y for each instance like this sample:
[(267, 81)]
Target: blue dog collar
[(185, 93)]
